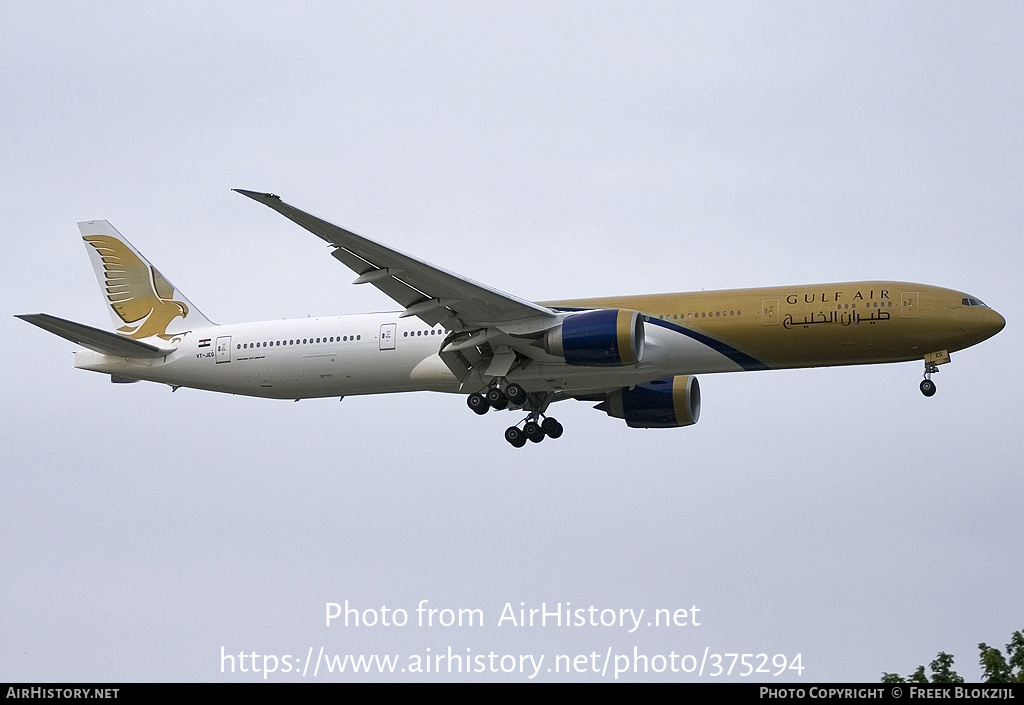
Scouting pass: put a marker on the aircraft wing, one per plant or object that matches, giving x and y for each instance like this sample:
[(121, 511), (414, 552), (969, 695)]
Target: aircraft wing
[(428, 292)]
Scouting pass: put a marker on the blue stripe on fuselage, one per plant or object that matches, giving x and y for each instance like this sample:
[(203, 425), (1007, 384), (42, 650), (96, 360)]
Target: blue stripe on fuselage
[(739, 357)]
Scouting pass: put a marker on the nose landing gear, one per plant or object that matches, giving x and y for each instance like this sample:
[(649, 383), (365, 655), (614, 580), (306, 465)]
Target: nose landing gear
[(927, 386)]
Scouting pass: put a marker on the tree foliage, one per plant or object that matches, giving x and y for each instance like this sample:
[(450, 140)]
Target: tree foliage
[(999, 669), (995, 668)]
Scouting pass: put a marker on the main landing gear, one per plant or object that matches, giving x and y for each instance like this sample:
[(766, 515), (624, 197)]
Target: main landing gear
[(533, 431), (927, 386), (535, 428), (498, 399)]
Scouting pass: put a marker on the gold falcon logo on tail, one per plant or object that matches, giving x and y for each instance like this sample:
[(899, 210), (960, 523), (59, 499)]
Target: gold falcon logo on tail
[(138, 295)]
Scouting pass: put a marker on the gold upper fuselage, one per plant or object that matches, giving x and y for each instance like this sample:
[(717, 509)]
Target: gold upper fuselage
[(821, 324)]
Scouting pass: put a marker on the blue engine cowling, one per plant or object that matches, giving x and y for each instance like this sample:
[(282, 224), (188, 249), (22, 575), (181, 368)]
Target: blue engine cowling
[(602, 338), (670, 402)]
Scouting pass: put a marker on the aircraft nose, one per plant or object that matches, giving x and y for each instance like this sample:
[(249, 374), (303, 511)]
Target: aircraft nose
[(987, 322), (998, 322)]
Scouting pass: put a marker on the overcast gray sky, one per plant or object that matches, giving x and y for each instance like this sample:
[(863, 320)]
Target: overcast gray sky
[(551, 150)]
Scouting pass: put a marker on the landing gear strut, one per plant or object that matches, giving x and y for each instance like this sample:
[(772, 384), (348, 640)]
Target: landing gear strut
[(927, 386)]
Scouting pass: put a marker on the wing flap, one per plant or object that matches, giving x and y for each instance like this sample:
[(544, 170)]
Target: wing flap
[(387, 279), (95, 339)]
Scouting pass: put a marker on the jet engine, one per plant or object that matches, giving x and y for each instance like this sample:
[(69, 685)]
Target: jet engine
[(602, 338), (664, 403)]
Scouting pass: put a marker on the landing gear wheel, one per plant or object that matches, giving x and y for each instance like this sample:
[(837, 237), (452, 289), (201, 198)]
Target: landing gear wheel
[(552, 428), (516, 394), (533, 431), (477, 403), (497, 398), (514, 436), (927, 387)]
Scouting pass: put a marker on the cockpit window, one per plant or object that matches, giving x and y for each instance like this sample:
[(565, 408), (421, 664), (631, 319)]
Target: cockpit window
[(971, 301)]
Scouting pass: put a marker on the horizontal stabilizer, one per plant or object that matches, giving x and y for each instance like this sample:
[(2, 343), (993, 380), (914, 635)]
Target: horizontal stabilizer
[(95, 339)]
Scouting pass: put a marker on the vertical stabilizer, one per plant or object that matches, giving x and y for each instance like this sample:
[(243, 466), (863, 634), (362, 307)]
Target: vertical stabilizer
[(141, 301)]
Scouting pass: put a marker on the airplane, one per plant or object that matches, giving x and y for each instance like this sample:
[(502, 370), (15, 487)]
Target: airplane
[(636, 356)]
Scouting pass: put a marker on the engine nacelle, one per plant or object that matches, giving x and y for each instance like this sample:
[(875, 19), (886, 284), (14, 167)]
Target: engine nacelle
[(602, 338), (670, 402)]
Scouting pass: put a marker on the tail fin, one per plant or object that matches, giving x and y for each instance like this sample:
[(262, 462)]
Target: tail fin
[(141, 301)]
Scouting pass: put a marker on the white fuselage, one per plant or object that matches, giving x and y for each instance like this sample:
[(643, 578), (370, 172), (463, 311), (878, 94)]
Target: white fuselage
[(295, 358), (367, 354)]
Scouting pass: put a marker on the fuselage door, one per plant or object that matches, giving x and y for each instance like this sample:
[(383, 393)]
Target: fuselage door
[(388, 333), (224, 349), (770, 312), (908, 304)]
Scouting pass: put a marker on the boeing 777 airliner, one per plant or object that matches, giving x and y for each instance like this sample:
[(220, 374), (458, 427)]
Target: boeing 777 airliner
[(636, 356)]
